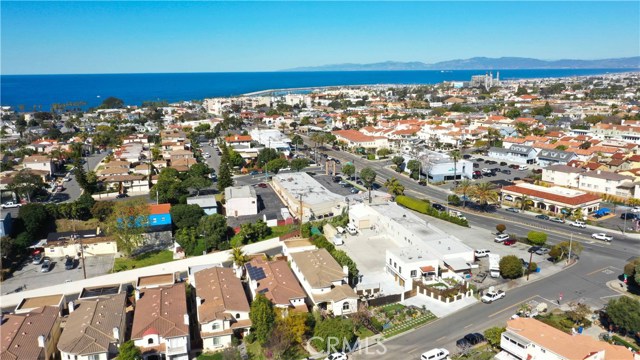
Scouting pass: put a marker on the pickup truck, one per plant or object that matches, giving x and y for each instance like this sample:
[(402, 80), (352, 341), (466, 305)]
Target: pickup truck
[(10, 204), (493, 296)]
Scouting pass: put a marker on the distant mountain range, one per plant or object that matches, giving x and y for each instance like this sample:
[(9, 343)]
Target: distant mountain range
[(483, 63)]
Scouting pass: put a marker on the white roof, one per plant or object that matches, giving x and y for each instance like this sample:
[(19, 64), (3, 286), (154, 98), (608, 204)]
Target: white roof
[(239, 192), (312, 191)]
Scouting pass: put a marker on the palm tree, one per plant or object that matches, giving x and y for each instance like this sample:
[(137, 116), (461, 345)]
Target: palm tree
[(455, 155), (394, 187), (239, 258), (525, 203), (368, 177), (464, 188), (484, 193)]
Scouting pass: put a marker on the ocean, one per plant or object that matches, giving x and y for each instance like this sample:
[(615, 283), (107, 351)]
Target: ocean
[(41, 91)]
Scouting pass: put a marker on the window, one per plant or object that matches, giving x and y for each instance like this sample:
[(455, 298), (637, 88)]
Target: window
[(237, 316), (390, 261), (395, 265), (345, 306), (400, 269), (216, 341), (150, 341), (215, 326), (94, 357), (414, 273)]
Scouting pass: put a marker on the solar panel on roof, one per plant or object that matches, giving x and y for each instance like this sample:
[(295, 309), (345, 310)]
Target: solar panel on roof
[(255, 273)]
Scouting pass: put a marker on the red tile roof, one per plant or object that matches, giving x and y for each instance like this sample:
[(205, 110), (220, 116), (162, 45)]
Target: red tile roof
[(570, 200), (156, 209)]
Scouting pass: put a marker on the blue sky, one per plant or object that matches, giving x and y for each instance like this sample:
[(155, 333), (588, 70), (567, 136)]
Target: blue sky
[(124, 37)]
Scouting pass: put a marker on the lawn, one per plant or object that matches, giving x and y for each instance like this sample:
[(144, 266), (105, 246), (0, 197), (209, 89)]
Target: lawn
[(148, 259), (276, 231), (216, 356), (256, 352)]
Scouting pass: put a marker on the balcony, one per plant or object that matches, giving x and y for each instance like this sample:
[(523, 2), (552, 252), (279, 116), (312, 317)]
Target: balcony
[(176, 350)]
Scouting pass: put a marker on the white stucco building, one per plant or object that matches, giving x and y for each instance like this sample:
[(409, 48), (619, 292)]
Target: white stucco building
[(240, 201)]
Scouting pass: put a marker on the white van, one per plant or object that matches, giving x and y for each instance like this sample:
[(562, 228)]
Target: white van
[(435, 354), (351, 229), (337, 240)]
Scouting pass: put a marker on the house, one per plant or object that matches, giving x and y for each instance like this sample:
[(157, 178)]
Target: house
[(603, 182), (276, 281), (95, 327), (161, 321), (234, 140), (356, 139), (240, 201), (325, 281), (411, 263), (80, 243), (222, 307), (31, 335), (206, 203), (518, 154), (38, 162), (531, 339), (551, 157), (562, 175)]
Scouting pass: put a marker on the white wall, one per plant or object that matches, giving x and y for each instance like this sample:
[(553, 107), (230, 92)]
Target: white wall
[(241, 206)]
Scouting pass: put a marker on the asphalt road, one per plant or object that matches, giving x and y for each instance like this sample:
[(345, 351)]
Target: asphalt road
[(585, 281), (72, 189)]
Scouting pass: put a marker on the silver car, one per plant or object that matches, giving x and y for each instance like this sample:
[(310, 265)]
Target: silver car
[(46, 265)]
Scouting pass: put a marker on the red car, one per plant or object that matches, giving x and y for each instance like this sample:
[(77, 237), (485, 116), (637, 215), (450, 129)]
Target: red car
[(510, 242), (262, 185)]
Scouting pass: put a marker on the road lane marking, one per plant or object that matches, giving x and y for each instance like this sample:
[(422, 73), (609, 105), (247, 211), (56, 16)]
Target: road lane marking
[(610, 296), (442, 338), (595, 271), (512, 306), (468, 326)]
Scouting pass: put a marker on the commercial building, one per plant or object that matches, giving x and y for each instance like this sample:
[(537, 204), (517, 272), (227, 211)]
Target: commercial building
[(531, 339), (325, 281), (552, 199), (356, 139), (240, 201), (30, 335), (273, 139), (161, 321), (440, 167), (411, 263), (79, 243), (306, 197), (222, 307)]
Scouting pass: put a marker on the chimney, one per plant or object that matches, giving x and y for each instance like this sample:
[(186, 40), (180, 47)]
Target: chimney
[(137, 294), (253, 285), (198, 301), (598, 172), (186, 319), (41, 341), (116, 333), (71, 307), (98, 230)]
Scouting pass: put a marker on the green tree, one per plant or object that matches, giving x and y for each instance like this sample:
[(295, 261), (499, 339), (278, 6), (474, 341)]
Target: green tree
[(128, 222), (214, 230), (464, 187), (297, 140), (265, 155), (224, 177), (262, 317), (238, 257), (102, 210), (34, 217), (484, 194), (328, 330), (348, 170), (513, 113), (383, 153), (453, 199), (510, 267), (455, 155), (625, 313), (128, 351), (189, 241), (561, 250), (537, 238), (394, 187), (112, 103), (368, 177), (169, 187), (25, 183), (414, 167), (197, 183), (398, 161), (299, 164), (275, 165), (501, 228), (184, 215), (493, 335), (521, 91)]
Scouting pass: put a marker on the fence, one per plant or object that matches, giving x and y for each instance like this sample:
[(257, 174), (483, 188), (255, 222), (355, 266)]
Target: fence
[(385, 300), (456, 293)]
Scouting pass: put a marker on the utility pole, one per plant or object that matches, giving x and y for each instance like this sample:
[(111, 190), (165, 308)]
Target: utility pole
[(301, 212), (570, 244)]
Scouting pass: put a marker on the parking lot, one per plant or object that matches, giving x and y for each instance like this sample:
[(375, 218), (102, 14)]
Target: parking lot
[(327, 181), (31, 277), (269, 204)]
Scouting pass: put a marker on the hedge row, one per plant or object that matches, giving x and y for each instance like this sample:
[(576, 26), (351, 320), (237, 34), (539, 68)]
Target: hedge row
[(424, 207)]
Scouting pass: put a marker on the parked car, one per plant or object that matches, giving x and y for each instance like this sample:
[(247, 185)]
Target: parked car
[(542, 251), (466, 156), (534, 249), (347, 185), (121, 196), (355, 191), (336, 161), (254, 172), (262, 185), (602, 236), (501, 238), (542, 217), (10, 204), (492, 296), (513, 210), (437, 207), (503, 163), (435, 354), (557, 220), (337, 356), (37, 259), (628, 216), (516, 179), (46, 265), (479, 159), (476, 165), (470, 340), (481, 253), (510, 242), (523, 168), (578, 224), (635, 209), (69, 263), (506, 171)]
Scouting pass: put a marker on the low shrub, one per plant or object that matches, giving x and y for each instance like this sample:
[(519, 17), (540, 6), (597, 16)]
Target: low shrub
[(424, 207)]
